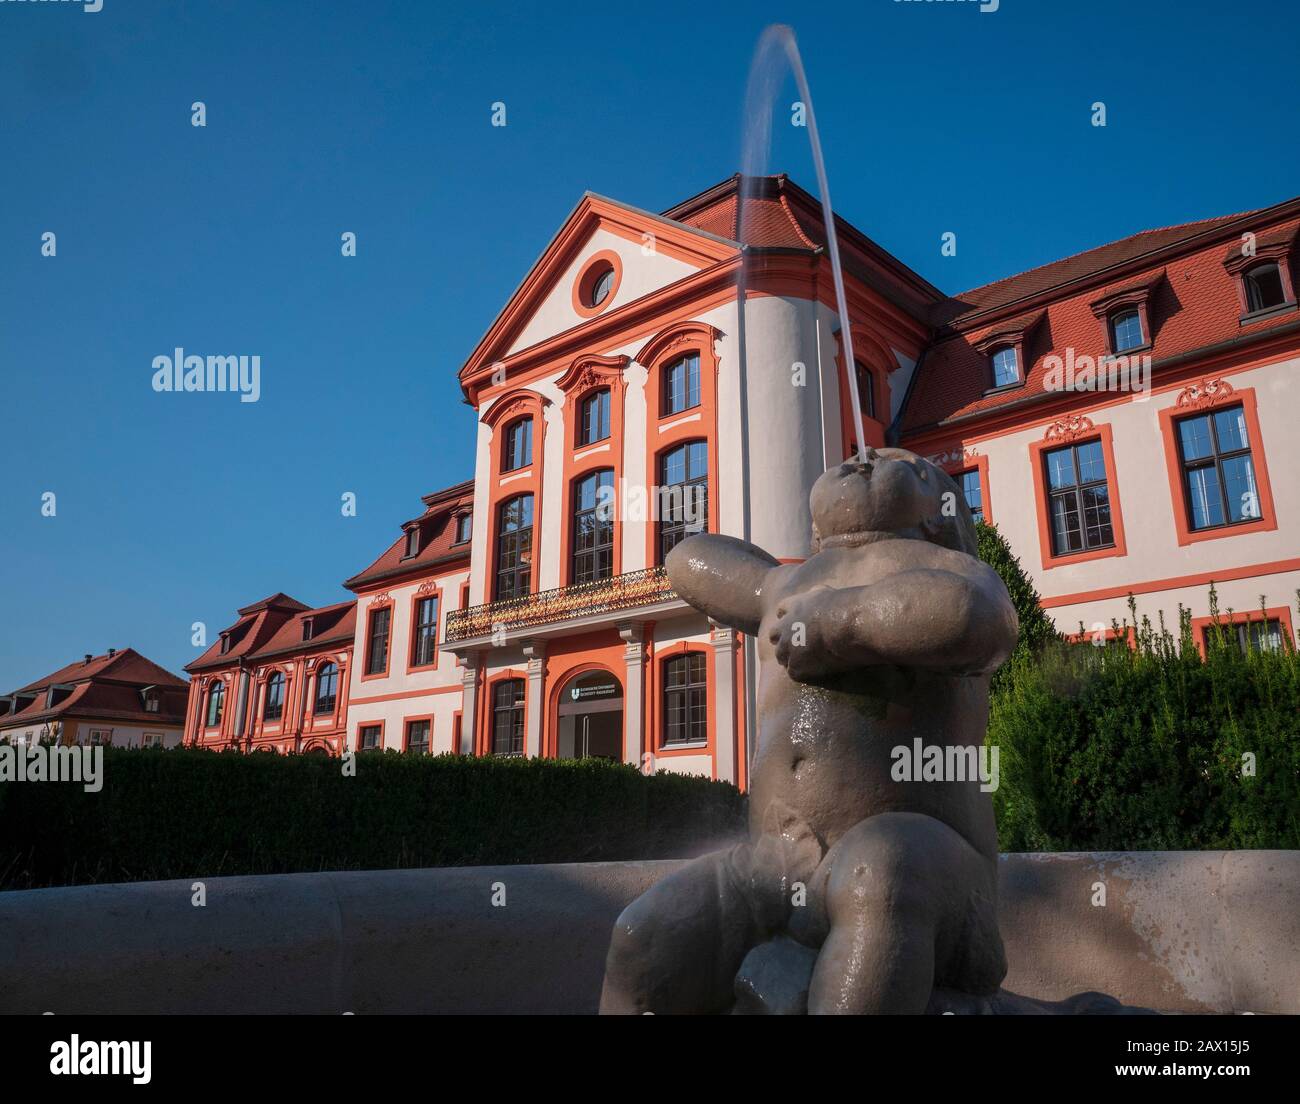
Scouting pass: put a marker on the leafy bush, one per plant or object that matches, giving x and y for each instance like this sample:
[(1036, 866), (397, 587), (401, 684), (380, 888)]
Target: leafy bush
[(192, 813), (1036, 628), (1149, 746)]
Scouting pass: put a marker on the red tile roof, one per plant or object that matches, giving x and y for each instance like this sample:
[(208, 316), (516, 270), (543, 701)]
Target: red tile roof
[(106, 687), (1193, 305), (438, 547), (277, 629)]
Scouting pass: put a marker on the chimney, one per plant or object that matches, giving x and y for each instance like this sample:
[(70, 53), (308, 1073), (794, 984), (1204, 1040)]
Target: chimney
[(89, 657), (112, 652)]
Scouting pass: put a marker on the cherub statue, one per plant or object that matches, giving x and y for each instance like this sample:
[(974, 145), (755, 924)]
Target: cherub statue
[(854, 892)]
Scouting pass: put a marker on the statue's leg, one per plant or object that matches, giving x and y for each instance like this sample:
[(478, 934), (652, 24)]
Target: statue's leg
[(677, 947), (905, 898)]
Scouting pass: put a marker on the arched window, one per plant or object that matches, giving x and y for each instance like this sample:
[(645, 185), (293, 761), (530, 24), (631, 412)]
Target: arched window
[(1264, 288), (601, 286), (327, 679), (515, 547), (1126, 331), (866, 389), (216, 700), (519, 445), (1006, 368), (682, 384), (686, 709), (593, 417), (508, 717), (683, 501), (593, 526), (273, 706)]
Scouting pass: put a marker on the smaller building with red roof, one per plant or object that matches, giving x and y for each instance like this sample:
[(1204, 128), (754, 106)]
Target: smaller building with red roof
[(119, 698)]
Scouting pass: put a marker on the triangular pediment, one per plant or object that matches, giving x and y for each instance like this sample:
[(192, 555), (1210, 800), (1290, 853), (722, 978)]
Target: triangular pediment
[(646, 251)]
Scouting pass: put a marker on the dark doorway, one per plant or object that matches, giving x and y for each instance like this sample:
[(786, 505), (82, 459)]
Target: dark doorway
[(591, 718)]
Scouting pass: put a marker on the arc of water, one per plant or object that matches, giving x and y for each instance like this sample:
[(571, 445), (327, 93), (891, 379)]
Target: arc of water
[(759, 95)]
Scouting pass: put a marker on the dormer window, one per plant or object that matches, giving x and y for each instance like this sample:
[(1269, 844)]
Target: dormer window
[(1126, 331), (1263, 273), (308, 628), (225, 642), (464, 527), (1264, 288), (1006, 366), (412, 542)]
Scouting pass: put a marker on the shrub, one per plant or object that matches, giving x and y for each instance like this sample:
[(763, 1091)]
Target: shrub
[(189, 813), (1147, 746), (1036, 628)]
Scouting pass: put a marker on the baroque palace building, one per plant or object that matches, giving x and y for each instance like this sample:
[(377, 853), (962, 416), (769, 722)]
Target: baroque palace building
[(1124, 416)]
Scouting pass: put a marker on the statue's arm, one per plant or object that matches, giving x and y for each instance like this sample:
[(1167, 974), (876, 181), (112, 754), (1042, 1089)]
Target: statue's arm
[(961, 622), (723, 577)]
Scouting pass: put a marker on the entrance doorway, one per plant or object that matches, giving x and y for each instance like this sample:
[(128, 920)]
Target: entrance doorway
[(591, 718)]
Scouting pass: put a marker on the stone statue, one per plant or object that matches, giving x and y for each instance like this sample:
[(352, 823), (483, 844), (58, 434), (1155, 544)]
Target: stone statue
[(855, 892)]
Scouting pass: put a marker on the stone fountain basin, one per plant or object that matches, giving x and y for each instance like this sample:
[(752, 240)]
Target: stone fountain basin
[(1180, 931)]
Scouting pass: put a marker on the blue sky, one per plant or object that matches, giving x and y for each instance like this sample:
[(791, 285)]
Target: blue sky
[(373, 116)]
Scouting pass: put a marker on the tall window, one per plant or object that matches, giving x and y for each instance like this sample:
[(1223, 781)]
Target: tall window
[(686, 713), (969, 481), (519, 445), (412, 541), (683, 494), (866, 389), (593, 527), (377, 641), (508, 718), (682, 384), (327, 682), (593, 417), (515, 547), (1006, 368), (1218, 472), (1264, 288), (464, 527), (1126, 331), (1079, 499), (424, 648), (417, 737), (216, 701), (368, 737), (273, 706)]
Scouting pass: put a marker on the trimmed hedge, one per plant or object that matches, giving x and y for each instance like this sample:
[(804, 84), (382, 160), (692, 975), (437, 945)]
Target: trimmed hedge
[(187, 813), (1145, 748)]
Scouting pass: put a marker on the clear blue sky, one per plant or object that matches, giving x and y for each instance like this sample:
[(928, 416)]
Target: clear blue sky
[(372, 116)]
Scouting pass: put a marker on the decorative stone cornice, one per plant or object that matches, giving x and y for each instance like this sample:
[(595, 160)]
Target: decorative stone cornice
[(1206, 393), (1069, 429)]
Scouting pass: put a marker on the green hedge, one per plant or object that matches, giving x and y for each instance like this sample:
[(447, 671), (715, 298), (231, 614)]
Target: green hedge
[(1119, 748), (186, 813)]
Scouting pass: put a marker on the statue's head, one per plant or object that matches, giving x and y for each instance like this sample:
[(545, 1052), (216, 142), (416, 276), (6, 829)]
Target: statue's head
[(889, 493)]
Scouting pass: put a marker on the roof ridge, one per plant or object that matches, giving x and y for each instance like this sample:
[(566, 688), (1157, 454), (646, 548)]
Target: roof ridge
[(1103, 245)]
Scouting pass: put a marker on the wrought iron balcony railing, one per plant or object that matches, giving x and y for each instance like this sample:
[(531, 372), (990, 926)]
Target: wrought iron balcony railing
[(626, 591)]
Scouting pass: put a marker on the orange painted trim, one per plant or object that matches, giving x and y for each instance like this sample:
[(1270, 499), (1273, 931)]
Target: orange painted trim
[(587, 376), (369, 724), (380, 602), (1037, 467), (455, 732), (1223, 575), (976, 462), (422, 593), (582, 285), (880, 361), (505, 486), (1281, 614), (1191, 403), (665, 432), (489, 689), (402, 695), (406, 730), (709, 747)]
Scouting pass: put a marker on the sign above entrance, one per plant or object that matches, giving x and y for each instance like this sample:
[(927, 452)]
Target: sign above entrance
[(601, 690)]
